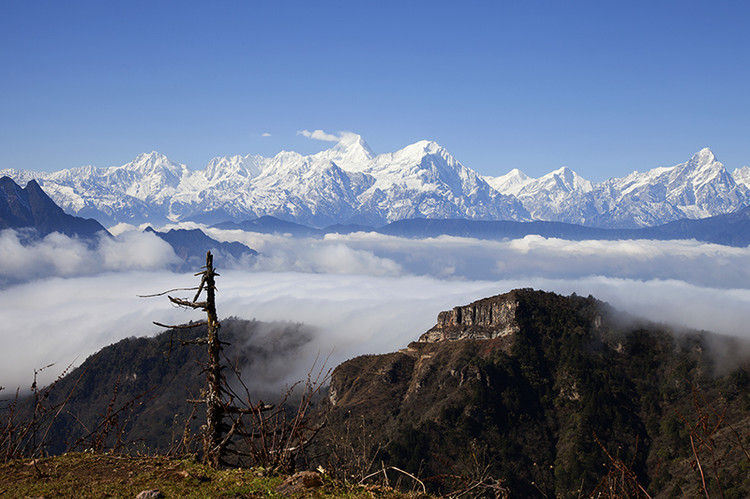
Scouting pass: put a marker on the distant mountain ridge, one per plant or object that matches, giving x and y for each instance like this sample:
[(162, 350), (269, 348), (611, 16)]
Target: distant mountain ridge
[(270, 225), (191, 246), (731, 229), (349, 184)]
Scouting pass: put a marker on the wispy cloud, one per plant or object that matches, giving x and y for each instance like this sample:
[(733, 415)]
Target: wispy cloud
[(265, 134), (320, 135)]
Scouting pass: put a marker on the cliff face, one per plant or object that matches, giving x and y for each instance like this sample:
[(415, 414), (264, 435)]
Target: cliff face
[(482, 320), (526, 383)]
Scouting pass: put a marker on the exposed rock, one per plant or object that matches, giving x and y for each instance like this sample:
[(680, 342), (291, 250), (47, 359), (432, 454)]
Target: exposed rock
[(484, 319), (149, 494), (332, 397), (300, 482)]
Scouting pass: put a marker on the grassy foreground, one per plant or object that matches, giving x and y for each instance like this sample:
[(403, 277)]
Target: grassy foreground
[(102, 475)]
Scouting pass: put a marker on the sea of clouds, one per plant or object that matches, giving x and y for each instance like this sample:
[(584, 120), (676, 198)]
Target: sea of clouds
[(363, 293)]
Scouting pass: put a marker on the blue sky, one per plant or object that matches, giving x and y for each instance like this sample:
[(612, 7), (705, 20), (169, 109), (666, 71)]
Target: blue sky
[(603, 87)]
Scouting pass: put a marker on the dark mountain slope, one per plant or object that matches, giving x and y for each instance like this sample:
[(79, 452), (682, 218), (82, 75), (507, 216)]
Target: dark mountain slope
[(732, 229), (31, 208), (152, 378), (191, 246), (271, 225), (527, 382)]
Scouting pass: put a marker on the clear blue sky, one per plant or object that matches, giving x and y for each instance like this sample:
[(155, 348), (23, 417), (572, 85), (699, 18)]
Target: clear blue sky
[(603, 87)]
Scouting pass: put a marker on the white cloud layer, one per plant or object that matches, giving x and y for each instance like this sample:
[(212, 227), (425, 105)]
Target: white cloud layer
[(466, 258), (366, 293), (60, 255), (64, 320)]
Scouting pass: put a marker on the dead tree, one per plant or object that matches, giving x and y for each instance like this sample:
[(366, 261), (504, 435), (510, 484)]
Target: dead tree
[(216, 434), (267, 436)]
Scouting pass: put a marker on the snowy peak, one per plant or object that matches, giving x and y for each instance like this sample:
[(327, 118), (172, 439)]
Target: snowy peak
[(703, 157), (704, 163), (153, 162), (510, 183), (742, 175), (700, 171), (225, 167), (420, 149), (568, 180), (558, 182), (351, 152), (354, 145)]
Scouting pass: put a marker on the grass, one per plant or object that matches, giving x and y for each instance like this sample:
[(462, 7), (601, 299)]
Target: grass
[(104, 475)]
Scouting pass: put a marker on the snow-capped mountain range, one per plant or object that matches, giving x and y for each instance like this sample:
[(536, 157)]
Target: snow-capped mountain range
[(349, 184)]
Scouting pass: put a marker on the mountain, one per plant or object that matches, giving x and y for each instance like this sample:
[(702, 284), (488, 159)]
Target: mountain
[(349, 184), (701, 187), (271, 225), (510, 183), (423, 179), (31, 208), (191, 246), (533, 390), (731, 229), (698, 188)]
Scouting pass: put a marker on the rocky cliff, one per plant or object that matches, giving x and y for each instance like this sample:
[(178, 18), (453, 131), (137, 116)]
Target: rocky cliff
[(482, 320)]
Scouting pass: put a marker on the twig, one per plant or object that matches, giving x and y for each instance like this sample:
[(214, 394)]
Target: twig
[(700, 468), (181, 326), (424, 489), (167, 291)]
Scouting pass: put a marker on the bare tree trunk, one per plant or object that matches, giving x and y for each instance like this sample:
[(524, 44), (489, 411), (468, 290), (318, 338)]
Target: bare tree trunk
[(216, 434), (214, 378)]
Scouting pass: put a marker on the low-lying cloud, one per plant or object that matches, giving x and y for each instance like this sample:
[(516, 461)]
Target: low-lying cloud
[(451, 257), (64, 320), (445, 257), (363, 293), (60, 255)]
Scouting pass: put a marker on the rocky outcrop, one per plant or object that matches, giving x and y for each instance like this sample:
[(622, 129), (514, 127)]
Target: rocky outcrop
[(484, 319)]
